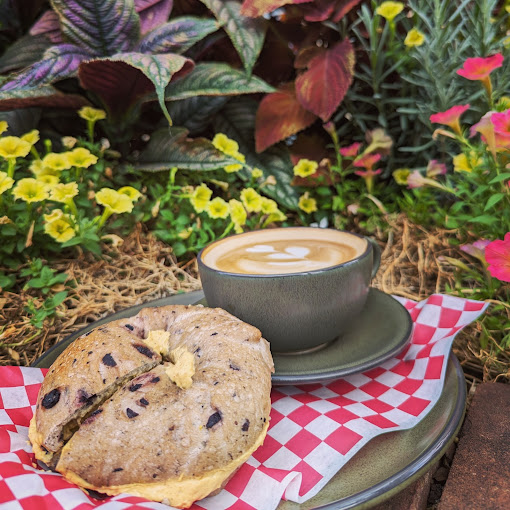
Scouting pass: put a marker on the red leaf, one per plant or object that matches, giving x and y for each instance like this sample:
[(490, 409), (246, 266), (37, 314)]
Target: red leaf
[(322, 87), (255, 8), (335, 10), (118, 84), (280, 115)]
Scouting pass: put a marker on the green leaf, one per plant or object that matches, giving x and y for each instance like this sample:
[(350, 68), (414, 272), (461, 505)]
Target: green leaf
[(501, 177), (237, 121), (172, 148), (215, 79), (493, 200), (484, 219), (247, 34)]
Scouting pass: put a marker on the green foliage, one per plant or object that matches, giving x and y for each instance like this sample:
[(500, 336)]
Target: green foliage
[(48, 309)]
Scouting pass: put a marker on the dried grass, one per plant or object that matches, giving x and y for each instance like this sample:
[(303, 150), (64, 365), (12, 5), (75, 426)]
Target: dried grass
[(142, 269)]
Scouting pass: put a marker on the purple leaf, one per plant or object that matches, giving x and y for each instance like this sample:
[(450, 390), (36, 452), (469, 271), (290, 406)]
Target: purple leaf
[(45, 96), (123, 79), (102, 27), (58, 62), (23, 53), (49, 25), (153, 13), (178, 35)]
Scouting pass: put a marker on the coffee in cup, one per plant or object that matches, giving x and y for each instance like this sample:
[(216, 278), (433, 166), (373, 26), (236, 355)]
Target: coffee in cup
[(301, 286)]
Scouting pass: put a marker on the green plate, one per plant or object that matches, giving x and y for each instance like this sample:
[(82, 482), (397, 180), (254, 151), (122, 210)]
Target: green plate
[(383, 467), (382, 330)]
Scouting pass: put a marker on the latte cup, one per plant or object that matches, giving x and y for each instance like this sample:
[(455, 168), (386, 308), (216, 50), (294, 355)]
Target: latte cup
[(303, 287)]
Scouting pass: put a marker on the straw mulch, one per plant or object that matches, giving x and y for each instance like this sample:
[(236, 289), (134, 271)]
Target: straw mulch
[(142, 269)]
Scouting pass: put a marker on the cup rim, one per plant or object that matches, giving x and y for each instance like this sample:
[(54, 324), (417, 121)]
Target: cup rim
[(361, 256)]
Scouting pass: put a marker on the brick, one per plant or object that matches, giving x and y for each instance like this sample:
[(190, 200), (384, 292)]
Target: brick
[(480, 472)]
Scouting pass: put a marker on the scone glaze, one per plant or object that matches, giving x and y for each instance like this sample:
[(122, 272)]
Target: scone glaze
[(149, 436)]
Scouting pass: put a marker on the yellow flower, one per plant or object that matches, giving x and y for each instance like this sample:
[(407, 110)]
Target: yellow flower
[(276, 216), (414, 38), (184, 234), (257, 173), (81, 157), (234, 168), (307, 204), (31, 137), (461, 163), (91, 114), (38, 168), (48, 180), (217, 208), (30, 190), (131, 192), (200, 198), (6, 182), (268, 206), (390, 10), (3, 126), (305, 167), (64, 192), (56, 214), (400, 175), (251, 200), (224, 144), (114, 201), (237, 212), (60, 229), (57, 161), (12, 147)]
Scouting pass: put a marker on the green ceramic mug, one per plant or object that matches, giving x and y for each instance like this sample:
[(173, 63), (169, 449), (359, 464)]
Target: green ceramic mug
[(301, 286)]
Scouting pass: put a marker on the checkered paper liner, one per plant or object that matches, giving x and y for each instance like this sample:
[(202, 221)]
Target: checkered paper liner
[(314, 430)]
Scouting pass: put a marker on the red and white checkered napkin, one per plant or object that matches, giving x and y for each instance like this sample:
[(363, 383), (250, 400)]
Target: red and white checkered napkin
[(315, 429)]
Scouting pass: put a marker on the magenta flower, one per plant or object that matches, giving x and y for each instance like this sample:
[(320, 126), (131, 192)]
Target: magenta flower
[(480, 68), (434, 168), (367, 161), (351, 150), (477, 249), (451, 117), (368, 175), (501, 123), (495, 141), (497, 255)]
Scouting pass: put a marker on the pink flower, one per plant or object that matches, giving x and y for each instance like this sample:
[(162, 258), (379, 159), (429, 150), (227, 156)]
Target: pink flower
[(495, 141), (350, 151), (434, 168), (368, 173), (479, 68), (497, 255), (477, 249), (367, 161), (451, 117), (501, 123)]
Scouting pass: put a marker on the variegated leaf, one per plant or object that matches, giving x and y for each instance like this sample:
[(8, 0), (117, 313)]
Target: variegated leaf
[(215, 79), (255, 8), (103, 28), (237, 121), (58, 62), (195, 112), (40, 96), (153, 13), (178, 35), (247, 34), (171, 147), (113, 77), (323, 86), (49, 25), (23, 53), (279, 116)]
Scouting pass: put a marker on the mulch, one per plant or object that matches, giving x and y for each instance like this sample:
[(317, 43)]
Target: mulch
[(141, 269)]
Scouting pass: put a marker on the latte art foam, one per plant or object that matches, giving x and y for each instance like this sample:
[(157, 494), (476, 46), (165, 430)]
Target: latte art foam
[(284, 257), (283, 251)]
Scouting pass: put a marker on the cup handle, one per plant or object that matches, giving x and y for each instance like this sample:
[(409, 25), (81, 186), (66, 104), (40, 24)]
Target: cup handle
[(376, 256)]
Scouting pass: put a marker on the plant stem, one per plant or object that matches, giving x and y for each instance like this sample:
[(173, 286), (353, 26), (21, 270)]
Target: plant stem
[(11, 166)]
